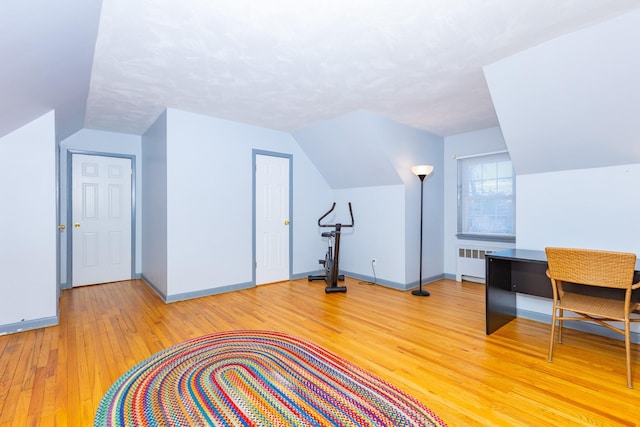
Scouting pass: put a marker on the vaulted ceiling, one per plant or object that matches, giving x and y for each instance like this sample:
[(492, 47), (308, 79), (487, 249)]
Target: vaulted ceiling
[(284, 64), (574, 102)]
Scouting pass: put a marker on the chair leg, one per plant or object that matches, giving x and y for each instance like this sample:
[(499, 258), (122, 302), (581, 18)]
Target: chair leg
[(560, 326), (627, 345), (552, 339)]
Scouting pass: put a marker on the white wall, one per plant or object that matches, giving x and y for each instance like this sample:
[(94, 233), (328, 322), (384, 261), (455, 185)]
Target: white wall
[(154, 205), (95, 141), (28, 245), (466, 144), (210, 202)]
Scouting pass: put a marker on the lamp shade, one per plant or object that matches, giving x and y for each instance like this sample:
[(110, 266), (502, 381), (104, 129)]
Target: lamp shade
[(422, 170)]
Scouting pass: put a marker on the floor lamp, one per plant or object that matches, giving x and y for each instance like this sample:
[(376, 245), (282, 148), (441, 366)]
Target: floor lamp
[(421, 172)]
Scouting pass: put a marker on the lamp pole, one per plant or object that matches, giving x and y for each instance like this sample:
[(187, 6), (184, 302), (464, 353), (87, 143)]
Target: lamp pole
[(421, 172)]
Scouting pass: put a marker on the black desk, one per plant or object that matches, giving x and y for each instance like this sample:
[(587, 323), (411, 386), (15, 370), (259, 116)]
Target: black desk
[(521, 270)]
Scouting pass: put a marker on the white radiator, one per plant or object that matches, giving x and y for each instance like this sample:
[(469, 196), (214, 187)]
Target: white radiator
[(471, 260)]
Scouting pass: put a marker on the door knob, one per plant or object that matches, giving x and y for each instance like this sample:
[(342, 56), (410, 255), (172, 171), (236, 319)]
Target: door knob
[(286, 222), (76, 225), (61, 227)]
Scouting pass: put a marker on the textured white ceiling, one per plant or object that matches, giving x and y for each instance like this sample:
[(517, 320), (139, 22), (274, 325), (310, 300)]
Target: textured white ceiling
[(285, 64)]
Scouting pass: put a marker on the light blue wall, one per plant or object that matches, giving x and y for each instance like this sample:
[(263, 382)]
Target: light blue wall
[(28, 245), (408, 147), (209, 188), (154, 205), (209, 203), (573, 102), (367, 159), (568, 110), (350, 150), (588, 208), (100, 142), (379, 233), (584, 208)]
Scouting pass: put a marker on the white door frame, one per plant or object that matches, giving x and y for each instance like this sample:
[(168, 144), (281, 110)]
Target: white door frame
[(69, 205), (290, 255)]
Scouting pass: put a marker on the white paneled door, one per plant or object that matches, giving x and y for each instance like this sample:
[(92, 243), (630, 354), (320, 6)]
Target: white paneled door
[(272, 219), (101, 219)]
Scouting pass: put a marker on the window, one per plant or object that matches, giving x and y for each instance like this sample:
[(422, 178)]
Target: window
[(486, 197)]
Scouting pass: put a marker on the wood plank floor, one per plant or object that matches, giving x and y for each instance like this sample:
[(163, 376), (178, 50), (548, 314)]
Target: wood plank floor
[(434, 348)]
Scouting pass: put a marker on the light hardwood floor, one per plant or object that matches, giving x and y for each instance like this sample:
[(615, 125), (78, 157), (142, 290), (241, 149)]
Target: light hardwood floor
[(433, 347)]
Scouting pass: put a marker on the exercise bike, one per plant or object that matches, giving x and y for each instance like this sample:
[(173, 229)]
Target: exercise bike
[(330, 262)]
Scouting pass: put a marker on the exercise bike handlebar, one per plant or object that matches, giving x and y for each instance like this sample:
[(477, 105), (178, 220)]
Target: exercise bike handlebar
[(333, 225)]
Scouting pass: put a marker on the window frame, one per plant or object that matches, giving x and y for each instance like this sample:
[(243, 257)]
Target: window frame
[(462, 179)]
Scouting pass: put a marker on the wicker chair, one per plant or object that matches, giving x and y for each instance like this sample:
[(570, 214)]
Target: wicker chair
[(592, 268)]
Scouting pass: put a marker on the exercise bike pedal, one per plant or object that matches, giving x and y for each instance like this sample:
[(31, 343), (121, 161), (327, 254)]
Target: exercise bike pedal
[(322, 261), (341, 277)]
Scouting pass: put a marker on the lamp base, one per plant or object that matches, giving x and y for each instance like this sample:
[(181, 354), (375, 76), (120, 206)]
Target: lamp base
[(420, 293)]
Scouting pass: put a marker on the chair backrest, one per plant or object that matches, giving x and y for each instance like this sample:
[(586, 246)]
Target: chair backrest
[(592, 267)]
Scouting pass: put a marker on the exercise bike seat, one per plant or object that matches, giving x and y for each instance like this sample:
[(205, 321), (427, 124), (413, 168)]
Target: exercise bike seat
[(329, 234)]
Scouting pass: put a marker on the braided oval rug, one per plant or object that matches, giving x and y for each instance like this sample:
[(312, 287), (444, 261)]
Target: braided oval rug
[(255, 378)]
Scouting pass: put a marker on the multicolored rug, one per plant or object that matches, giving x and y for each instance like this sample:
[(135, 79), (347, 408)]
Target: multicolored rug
[(255, 378)]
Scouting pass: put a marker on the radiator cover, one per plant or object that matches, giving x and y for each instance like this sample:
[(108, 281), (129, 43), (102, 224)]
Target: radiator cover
[(470, 258)]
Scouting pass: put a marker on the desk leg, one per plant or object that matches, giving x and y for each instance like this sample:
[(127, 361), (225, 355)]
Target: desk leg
[(500, 299)]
